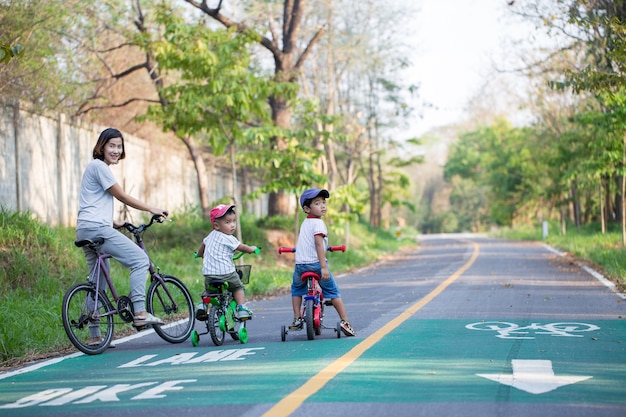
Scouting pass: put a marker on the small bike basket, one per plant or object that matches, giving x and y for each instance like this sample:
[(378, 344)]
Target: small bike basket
[(244, 273)]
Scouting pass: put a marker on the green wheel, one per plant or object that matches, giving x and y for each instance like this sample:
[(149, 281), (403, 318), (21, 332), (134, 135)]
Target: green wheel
[(195, 338), (243, 334), (223, 323)]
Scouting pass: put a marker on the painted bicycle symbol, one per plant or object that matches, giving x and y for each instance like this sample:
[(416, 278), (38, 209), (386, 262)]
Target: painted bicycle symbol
[(513, 331)]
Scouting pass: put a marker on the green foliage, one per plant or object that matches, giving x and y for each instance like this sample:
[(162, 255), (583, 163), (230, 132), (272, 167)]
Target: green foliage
[(497, 166), (216, 95), (7, 51), (52, 67), (221, 100), (276, 222)]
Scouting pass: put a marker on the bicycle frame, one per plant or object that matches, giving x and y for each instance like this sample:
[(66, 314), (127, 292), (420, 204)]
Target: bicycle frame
[(314, 293), (100, 267)]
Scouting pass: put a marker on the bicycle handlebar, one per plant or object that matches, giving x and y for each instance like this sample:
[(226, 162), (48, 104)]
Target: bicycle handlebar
[(341, 248), (140, 229)]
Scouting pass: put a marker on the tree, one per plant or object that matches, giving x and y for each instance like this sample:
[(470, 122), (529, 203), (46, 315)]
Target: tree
[(604, 23), (50, 71), (283, 46)]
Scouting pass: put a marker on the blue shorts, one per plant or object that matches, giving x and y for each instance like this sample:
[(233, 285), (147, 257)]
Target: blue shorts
[(299, 288)]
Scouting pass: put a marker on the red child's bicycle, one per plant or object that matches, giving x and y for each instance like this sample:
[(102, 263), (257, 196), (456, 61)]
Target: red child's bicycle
[(313, 302)]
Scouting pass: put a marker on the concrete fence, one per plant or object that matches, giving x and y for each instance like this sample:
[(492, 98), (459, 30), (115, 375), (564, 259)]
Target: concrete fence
[(42, 159)]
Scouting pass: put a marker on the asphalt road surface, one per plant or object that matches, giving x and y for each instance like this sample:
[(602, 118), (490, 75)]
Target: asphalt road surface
[(463, 326)]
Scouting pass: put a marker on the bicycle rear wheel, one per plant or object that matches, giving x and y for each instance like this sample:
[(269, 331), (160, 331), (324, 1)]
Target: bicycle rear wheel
[(80, 322), (170, 301), (309, 319), (213, 323)]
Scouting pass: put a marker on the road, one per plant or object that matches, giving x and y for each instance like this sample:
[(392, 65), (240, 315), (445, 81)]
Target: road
[(464, 326)]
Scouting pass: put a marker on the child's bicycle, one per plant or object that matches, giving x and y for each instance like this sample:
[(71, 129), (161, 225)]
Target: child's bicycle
[(218, 310), (86, 305), (313, 302)]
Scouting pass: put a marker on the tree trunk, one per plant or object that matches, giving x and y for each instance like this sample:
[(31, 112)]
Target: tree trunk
[(201, 175), (575, 203), (278, 202), (602, 214)]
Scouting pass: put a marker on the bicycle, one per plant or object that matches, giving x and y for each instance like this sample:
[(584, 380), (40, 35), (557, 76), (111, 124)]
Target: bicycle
[(85, 304), (313, 302), (221, 316)]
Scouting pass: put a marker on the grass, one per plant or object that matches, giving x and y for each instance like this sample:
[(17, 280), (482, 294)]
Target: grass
[(38, 263), (603, 251)]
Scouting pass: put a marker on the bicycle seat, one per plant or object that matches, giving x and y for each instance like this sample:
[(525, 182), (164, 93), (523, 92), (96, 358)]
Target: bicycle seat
[(85, 242), (310, 274), (216, 284)]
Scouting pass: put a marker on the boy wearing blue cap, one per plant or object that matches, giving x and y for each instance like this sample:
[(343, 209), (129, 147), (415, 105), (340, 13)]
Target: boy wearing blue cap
[(311, 256)]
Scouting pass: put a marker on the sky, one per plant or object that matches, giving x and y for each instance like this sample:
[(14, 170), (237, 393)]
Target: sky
[(457, 41)]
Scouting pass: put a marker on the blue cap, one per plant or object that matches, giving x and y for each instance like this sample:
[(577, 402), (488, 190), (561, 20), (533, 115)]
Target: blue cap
[(311, 193)]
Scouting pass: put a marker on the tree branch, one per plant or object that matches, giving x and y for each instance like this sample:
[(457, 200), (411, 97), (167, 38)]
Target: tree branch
[(318, 35), (113, 106)]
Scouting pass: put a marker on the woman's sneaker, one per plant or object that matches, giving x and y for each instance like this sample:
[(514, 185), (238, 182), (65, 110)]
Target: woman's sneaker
[(145, 319), (346, 328), (297, 324)]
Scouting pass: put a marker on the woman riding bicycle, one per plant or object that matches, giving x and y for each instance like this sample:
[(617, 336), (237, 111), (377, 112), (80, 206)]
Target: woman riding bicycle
[(95, 220)]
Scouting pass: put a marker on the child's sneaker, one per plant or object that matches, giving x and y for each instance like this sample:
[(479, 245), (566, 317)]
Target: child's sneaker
[(297, 324), (243, 312), (201, 313), (346, 328)]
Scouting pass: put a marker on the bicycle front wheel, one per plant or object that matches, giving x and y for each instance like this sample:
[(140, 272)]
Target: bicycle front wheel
[(89, 329), (170, 301)]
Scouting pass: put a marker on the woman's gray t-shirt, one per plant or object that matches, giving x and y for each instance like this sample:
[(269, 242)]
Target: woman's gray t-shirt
[(95, 201)]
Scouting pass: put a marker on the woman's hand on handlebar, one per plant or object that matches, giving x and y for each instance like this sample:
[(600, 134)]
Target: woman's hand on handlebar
[(161, 213)]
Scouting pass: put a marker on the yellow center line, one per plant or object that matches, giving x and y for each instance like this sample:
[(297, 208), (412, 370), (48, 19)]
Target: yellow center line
[(290, 403)]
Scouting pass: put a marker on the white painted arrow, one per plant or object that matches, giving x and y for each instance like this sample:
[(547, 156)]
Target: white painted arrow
[(533, 376)]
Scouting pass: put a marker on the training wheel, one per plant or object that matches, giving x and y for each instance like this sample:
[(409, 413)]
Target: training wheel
[(338, 330), (283, 333), (243, 334), (223, 323), (195, 338)]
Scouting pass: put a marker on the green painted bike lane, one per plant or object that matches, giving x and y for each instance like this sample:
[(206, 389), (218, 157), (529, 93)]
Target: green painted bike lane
[(419, 361), (426, 361)]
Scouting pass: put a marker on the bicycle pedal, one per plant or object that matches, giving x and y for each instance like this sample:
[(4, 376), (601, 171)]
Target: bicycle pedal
[(142, 327), (328, 302)]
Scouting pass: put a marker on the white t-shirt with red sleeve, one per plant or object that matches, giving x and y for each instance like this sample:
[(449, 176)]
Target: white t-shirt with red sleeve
[(305, 248)]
